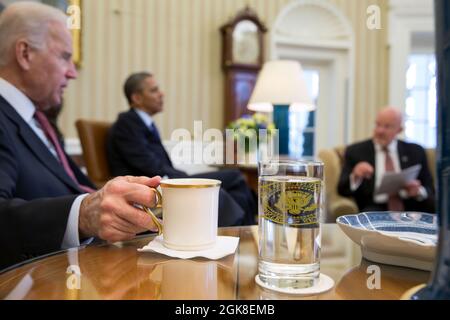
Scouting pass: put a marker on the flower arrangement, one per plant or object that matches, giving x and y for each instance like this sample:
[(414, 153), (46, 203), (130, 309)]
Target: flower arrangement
[(249, 126)]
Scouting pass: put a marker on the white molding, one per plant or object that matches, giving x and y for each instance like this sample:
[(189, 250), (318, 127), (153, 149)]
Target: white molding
[(325, 7), (337, 52), (412, 7), (327, 44), (405, 18)]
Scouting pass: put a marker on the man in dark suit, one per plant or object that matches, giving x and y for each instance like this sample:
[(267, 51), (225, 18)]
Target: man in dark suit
[(135, 148), (46, 203), (366, 162)]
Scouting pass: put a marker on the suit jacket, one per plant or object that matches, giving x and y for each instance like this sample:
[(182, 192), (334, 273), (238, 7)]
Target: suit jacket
[(28, 171), (133, 149), (410, 154)]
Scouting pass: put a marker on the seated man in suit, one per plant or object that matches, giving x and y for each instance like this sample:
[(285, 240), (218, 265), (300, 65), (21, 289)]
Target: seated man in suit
[(366, 162), (135, 148), (46, 203)]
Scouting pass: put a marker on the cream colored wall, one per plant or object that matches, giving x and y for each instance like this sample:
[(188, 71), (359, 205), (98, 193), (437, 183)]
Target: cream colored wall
[(371, 65), (179, 41)]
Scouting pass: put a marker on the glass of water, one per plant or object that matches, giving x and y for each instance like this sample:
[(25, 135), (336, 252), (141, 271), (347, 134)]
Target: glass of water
[(290, 205)]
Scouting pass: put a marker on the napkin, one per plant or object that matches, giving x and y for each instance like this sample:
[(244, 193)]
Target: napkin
[(224, 247)]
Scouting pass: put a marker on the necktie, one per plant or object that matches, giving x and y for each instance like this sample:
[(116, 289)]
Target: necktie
[(394, 202), (51, 136), (155, 131)]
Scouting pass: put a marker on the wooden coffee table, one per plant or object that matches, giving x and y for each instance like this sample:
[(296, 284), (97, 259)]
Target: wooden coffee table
[(119, 271)]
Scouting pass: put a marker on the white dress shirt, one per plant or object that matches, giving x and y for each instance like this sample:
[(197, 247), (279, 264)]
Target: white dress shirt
[(26, 109), (148, 120), (380, 170)]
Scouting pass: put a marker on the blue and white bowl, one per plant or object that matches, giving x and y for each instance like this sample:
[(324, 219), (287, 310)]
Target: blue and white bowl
[(405, 239)]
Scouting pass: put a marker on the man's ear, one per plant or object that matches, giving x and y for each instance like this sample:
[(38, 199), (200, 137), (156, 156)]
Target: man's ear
[(136, 98), (24, 54)]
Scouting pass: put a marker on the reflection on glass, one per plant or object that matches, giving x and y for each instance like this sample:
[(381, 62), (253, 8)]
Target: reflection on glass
[(420, 124), (410, 107), (432, 102), (411, 76)]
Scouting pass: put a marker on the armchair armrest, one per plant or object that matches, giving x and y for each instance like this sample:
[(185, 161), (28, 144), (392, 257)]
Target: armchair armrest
[(341, 206)]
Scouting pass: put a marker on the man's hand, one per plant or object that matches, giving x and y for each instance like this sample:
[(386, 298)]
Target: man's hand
[(363, 170), (413, 188), (110, 214)]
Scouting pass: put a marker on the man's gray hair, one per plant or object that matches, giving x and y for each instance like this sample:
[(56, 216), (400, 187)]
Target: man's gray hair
[(26, 20)]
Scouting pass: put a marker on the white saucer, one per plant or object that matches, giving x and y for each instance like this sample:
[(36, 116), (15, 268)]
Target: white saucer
[(325, 284), (224, 246)]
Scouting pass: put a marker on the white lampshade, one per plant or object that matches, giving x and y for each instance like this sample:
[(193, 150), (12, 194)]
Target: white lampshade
[(281, 82)]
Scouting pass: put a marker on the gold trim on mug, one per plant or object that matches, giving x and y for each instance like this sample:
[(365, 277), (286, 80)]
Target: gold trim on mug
[(212, 184)]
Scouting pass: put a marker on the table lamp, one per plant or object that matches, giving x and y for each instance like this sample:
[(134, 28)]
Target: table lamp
[(281, 88)]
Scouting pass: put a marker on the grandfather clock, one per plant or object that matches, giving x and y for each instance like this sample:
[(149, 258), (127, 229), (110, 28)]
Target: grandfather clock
[(242, 59)]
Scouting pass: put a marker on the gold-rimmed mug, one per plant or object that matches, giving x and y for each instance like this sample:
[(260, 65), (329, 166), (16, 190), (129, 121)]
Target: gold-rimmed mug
[(190, 213)]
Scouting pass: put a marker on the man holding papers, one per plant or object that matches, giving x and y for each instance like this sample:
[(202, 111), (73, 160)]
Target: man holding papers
[(385, 164)]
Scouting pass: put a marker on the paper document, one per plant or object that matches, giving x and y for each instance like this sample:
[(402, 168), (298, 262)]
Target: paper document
[(392, 182)]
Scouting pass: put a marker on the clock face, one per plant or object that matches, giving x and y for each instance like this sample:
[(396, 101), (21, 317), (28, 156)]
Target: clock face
[(246, 43)]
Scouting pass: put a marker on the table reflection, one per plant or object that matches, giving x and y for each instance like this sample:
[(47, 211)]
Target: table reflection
[(119, 271), (22, 289), (371, 280)]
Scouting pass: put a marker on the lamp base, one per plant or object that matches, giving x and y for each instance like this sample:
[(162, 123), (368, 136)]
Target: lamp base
[(281, 121)]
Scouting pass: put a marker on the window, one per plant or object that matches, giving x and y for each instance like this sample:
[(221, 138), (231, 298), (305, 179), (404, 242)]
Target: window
[(302, 124), (420, 113)]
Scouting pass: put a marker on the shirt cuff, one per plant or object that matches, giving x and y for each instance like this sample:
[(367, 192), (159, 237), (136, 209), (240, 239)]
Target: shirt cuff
[(354, 182), (71, 237), (423, 194), (381, 198)]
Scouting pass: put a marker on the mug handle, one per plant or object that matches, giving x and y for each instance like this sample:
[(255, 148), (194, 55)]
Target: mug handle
[(155, 220)]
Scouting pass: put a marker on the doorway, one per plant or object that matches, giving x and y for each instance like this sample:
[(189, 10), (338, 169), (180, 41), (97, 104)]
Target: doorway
[(326, 53)]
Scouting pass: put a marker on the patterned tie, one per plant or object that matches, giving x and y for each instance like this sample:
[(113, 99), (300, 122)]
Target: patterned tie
[(394, 202), (51, 136)]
